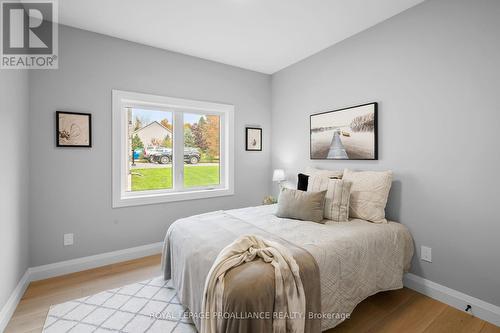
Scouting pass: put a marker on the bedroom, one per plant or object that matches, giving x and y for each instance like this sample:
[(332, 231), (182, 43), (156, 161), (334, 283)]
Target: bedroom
[(261, 74)]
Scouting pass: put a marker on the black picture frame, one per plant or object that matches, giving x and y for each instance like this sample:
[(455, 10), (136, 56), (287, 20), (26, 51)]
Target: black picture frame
[(58, 129), (375, 141), (247, 147)]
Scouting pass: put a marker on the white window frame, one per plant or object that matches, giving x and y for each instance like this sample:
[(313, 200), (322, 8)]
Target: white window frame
[(125, 99)]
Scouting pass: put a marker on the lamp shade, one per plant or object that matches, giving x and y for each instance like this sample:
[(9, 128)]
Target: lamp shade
[(278, 175)]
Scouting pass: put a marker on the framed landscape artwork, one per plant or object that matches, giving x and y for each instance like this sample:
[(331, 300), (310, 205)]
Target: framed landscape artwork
[(253, 140), (345, 134), (73, 129)]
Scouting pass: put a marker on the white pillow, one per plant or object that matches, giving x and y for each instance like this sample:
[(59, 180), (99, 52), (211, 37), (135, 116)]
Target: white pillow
[(310, 171), (337, 196), (369, 193)]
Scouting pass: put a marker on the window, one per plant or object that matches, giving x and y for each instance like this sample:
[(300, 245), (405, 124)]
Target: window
[(170, 149)]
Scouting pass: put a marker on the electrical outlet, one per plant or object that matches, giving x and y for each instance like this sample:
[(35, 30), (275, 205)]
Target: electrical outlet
[(68, 239), (426, 253)]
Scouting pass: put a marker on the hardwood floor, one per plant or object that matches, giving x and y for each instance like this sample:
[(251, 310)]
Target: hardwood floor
[(397, 311)]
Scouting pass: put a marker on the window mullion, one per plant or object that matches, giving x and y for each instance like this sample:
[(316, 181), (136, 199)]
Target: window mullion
[(222, 151), (178, 150)]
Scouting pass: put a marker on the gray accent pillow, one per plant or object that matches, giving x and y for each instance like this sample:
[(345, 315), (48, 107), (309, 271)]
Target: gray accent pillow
[(301, 205)]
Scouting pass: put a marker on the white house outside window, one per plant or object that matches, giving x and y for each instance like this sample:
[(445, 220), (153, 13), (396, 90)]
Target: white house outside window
[(170, 149)]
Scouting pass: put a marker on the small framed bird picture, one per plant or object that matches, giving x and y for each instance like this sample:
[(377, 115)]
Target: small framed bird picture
[(253, 139)]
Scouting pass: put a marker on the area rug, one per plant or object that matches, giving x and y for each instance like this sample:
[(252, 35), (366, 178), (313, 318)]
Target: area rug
[(149, 306)]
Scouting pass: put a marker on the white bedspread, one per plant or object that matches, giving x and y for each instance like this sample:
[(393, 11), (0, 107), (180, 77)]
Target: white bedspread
[(356, 259)]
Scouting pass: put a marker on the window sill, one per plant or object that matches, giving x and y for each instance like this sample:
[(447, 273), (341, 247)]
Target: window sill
[(131, 199)]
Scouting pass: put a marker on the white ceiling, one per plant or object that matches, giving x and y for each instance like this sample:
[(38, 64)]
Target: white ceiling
[(261, 35)]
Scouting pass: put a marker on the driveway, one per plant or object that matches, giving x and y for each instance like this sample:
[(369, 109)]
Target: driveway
[(142, 165)]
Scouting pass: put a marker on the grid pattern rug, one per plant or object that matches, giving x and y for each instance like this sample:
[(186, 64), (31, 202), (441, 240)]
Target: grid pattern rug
[(148, 306)]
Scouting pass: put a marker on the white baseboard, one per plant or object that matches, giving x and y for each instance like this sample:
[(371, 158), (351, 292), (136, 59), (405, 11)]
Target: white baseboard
[(84, 263), (481, 309), (71, 266), (11, 304)]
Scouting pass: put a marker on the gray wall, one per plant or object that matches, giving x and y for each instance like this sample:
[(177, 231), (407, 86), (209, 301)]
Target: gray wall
[(71, 188), (14, 179), (435, 70)]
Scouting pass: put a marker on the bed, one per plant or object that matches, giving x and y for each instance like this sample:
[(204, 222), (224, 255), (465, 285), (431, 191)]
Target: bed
[(356, 259)]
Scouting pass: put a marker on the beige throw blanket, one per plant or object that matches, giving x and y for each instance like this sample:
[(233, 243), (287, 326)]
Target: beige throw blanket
[(289, 297)]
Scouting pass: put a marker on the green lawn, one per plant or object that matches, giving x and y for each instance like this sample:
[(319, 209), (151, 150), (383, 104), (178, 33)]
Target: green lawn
[(161, 178)]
